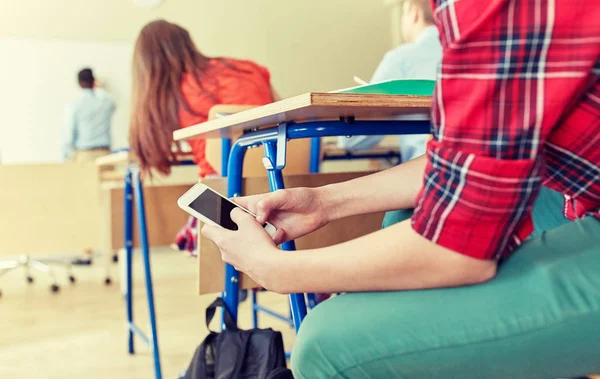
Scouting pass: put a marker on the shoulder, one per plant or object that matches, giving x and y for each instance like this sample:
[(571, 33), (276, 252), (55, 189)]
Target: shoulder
[(240, 67), (400, 52), (412, 52), (244, 82), (75, 104), (101, 92), (401, 56), (411, 60), (104, 95), (427, 44)]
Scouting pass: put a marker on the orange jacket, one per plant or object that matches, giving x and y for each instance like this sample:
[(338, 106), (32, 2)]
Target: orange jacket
[(224, 81)]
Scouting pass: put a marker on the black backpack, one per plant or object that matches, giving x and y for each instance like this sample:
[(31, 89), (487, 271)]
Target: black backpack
[(236, 353)]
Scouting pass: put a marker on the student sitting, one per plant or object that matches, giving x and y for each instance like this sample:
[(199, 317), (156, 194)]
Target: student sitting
[(86, 132), (417, 59), (460, 290), (174, 86), (86, 135)]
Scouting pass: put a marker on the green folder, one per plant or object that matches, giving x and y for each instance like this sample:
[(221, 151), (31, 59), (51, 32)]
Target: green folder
[(417, 87)]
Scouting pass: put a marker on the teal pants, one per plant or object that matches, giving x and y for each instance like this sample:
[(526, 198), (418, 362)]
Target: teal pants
[(539, 318)]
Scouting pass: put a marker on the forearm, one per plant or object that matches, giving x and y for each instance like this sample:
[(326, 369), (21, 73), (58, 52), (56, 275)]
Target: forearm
[(396, 258), (395, 188)]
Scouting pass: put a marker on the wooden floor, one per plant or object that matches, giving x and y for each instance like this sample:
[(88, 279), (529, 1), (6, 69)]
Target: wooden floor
[(80, 333)]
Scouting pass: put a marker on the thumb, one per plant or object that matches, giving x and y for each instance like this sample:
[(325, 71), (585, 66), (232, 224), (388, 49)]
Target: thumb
[(214, 233), (279, 237), (243, 218), (269, 203)]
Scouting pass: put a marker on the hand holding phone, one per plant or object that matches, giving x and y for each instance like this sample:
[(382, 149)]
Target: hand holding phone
[(295, 212), (212, 208)]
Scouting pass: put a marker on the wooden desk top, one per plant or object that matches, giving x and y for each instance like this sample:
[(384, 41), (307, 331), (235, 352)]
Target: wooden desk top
[(311, 106), (124, 157), (115, 159)]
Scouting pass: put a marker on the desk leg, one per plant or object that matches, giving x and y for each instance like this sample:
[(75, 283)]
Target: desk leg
[(276, 183), (254, 310), (225, 150), (128, 197), (315, 165), (234, 188), (315, 154), (145, 247), (312, 301)]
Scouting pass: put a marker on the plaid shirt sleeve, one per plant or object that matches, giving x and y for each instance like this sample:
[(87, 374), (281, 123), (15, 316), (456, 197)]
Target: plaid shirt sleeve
[(504, 84)]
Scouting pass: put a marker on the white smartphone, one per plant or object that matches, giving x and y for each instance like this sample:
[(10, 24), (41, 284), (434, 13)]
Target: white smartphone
[(212, 208)]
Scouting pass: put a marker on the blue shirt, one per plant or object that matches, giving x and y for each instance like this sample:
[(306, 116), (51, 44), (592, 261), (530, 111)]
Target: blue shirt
[(87, 124), (416, 60)]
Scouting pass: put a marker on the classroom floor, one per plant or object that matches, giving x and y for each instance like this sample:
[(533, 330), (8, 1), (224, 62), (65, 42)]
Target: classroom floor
[(79, 332)]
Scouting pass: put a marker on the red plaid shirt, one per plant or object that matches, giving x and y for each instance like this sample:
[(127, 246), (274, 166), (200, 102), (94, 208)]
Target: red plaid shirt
[(517, 105)]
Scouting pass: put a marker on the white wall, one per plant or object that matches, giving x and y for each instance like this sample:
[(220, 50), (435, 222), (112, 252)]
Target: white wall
[(38, 79), (308, 45)]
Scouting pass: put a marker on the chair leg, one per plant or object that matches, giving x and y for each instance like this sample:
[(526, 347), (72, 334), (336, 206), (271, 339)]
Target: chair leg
[(311, 299), (254, 311), (27, 267), (6, 267), (297, 300), (315, 155), (234, 188), (128, 197), (42, 265), (145, 247), (37, 265)]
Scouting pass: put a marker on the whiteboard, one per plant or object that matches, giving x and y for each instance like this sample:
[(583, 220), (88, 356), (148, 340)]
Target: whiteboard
[(38, 78)]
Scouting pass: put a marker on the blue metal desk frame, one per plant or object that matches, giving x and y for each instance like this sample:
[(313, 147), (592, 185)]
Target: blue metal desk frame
[(133, 191), (274, 141), (315, 153)]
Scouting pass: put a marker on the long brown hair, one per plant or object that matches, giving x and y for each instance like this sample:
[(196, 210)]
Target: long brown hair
[(163, 53)]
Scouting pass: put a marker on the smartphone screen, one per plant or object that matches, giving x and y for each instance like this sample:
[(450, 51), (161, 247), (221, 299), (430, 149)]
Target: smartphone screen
[(216, 208)]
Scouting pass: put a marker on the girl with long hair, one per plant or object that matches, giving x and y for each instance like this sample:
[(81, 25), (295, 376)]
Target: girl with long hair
[(175, 85)]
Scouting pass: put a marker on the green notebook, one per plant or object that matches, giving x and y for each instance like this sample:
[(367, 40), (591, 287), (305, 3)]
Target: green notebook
[(417, 87)]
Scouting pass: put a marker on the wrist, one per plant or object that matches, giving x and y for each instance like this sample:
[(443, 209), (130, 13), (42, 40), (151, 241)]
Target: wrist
[(276, 271), (330, 203)]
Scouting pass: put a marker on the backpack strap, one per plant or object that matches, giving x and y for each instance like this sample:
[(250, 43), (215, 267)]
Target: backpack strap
[(227, 317)]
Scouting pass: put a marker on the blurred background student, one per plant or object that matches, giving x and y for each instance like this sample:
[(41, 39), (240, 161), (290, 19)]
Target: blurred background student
[(175, 86), (417, 58), (86, 133)]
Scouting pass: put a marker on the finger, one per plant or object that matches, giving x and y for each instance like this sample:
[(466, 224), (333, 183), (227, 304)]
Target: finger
[(248, 202), (243, 219), (214, 233), (270, 203), (279, 236)]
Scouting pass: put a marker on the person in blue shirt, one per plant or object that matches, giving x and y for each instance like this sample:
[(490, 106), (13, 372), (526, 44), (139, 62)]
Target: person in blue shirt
[(86, 133), (418, 58)]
